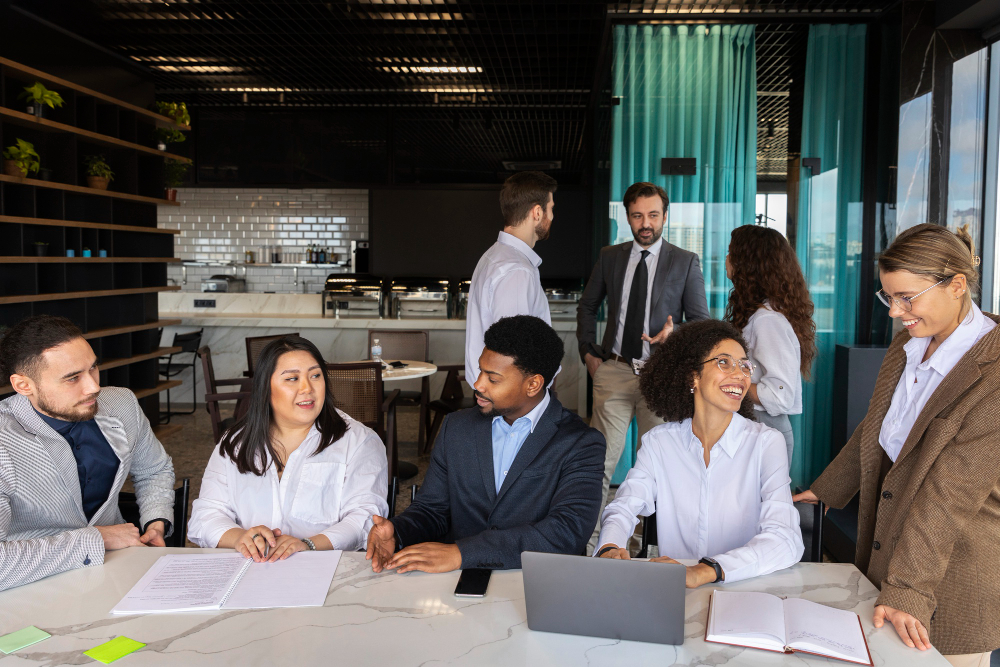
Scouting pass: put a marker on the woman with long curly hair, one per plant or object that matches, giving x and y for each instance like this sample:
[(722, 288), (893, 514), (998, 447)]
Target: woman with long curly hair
[(717, 480), (770, 303)]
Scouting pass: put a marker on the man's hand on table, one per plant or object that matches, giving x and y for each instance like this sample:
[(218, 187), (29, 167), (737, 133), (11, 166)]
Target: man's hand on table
[(120, 536), (153, 537), (427, 557), (381, 543)]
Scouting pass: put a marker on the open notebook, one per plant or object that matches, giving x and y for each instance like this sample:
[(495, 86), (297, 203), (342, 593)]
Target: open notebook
[(760, 620), (208, 582)]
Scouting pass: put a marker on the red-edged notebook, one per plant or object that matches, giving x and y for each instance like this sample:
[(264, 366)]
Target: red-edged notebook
[(764, 621)]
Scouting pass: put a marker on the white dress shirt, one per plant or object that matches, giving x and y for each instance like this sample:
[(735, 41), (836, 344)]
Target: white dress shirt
[(633, 262), (334, 493), (504, 283), (777, 360), (921, 378), (738, 510)]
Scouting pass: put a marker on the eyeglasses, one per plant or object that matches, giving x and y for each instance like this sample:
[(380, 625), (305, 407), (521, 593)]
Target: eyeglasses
[(904, 302), (727, 364)]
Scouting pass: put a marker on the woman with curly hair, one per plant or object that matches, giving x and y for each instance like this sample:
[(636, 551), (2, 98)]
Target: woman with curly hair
[(717, 480), (770, 303)]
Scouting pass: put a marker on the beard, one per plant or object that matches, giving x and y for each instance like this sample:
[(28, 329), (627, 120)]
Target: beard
[(543, 228), (75, 413), (493, 411), (656, 235)]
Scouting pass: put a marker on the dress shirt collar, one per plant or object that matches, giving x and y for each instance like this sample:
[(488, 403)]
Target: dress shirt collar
[(654, 249), (953, 347), (534, 416), (731, 438), (521, 246)]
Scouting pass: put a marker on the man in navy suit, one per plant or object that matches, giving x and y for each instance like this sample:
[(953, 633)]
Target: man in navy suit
[(518, 473)]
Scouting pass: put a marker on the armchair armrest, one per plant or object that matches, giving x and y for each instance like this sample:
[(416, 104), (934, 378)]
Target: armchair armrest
[(233, 381), (231, 396)]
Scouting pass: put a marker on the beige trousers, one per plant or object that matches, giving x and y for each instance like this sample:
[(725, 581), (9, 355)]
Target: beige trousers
[(616, 400), (969, 659)]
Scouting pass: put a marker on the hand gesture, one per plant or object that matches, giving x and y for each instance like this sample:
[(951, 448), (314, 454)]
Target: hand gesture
[(153, 537), (427, 557), (253, 543), (285, 546), (667, 329), (381, 543), (120, 536), (909, 629), (616, 553)]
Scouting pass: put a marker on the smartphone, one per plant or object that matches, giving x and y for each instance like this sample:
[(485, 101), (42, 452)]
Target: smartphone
[(398, 364), (473, 583)]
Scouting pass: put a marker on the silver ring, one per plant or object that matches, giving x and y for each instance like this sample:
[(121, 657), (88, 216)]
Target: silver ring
[(255, 537)]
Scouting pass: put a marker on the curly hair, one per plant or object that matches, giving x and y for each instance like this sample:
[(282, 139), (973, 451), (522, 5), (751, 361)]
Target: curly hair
[(534, 346), (667, 378), (765, 267)]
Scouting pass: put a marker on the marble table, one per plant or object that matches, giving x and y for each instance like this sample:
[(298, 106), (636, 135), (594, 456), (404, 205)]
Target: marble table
[(412, 371), (399, 620)]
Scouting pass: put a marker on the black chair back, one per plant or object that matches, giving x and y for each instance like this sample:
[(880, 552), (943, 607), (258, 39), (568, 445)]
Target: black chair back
[(188, 342), (648, 536), (257, 343), (128, 505)]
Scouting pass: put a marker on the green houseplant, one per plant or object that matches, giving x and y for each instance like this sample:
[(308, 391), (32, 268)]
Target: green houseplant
[(174, 172), (41, 248), (20, 159), (178, 112), (38, 97), (99, 173)]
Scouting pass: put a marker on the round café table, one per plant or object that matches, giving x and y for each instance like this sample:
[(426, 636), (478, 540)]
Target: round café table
[(412, 371)]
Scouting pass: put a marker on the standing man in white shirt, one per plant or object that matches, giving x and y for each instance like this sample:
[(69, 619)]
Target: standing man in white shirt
[(650, 285), (506, 282)]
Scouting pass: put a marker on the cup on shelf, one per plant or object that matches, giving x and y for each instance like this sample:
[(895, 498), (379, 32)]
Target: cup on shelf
[(102, 253), (71, 253), (86, 252)]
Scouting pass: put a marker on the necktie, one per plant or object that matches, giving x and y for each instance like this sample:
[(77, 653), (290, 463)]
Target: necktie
[(635, 314)]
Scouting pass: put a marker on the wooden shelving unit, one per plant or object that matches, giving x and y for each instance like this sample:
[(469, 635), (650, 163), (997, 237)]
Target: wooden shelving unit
[(112, 299)]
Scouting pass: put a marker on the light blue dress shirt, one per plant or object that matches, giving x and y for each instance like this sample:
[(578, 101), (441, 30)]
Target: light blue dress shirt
[(508, 438)]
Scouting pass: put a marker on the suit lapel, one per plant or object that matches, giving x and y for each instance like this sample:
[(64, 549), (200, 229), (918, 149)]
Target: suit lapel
[(533, 444), (113, 431), (618, 287), (662, 266), (484, 452)]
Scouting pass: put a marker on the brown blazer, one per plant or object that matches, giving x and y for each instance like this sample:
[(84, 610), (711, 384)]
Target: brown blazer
[(931, 540)]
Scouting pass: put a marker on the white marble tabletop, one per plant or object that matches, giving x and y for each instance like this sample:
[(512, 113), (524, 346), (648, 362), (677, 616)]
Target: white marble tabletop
[(391, 619), (413, 370)]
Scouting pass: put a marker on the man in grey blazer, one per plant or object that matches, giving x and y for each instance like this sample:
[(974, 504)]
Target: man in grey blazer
[(518, 473), (649, 284), (66, 447)]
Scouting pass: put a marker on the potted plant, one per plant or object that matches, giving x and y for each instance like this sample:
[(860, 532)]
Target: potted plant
[(177, 111), (20, 159), (38, 97), (41, 248), (86, 251), (173, 175), (99, 173)]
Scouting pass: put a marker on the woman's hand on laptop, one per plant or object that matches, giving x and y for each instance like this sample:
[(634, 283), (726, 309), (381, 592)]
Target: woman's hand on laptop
[(697, 575), (614, 552)]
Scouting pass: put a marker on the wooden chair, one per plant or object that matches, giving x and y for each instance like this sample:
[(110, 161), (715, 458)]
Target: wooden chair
[(213, 397), (128, 505), (255, 345), (415, 346), (452, 399), (357, 390)]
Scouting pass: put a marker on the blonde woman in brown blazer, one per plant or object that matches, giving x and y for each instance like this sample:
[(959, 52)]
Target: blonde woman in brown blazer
[(926, 458)]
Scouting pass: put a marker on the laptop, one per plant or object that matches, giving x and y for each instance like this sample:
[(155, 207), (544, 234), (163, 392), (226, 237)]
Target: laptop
[(603, 597)]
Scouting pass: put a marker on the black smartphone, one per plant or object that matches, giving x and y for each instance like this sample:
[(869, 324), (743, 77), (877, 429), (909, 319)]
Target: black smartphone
[(473, 583), (398, 364)]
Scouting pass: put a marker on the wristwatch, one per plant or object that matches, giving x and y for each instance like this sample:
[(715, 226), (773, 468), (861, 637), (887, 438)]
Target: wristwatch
[(714, 564), (309, 543)]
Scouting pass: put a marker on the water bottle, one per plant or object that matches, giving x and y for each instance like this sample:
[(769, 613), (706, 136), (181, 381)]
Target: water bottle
[(377, 352)]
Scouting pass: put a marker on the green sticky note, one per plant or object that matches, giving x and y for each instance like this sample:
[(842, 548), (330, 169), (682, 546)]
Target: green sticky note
[(110, 651), (15, 641)]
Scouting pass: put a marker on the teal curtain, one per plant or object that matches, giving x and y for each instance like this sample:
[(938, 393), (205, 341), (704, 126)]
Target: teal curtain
[(828, 238), (689, 91)]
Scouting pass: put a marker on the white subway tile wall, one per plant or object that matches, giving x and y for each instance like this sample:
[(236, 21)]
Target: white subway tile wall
[(221, 224)]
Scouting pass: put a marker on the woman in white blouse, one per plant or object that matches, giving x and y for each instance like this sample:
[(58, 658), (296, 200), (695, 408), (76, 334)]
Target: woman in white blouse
[(717, 480), (295, 473), (770, 303)]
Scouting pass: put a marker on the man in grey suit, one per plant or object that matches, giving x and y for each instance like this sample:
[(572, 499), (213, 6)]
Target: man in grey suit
[(649, 284), (66, 447), (520, 473)]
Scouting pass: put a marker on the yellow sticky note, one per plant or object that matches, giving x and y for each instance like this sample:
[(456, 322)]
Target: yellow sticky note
[(110, 651)]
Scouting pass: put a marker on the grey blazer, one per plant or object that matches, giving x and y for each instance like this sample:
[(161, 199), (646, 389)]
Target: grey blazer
[(677, 289), (43, 529)]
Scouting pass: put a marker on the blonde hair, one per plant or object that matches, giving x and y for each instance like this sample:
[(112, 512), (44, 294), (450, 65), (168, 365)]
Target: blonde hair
[(935, 252)]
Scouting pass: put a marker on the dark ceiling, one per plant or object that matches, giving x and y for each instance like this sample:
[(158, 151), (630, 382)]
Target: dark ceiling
[(467, 83)]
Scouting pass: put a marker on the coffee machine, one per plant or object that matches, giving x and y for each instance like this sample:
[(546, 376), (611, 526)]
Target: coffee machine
[(360, 257)]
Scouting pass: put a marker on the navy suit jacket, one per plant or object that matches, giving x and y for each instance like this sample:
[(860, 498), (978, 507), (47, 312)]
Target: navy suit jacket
[(549, 500)]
